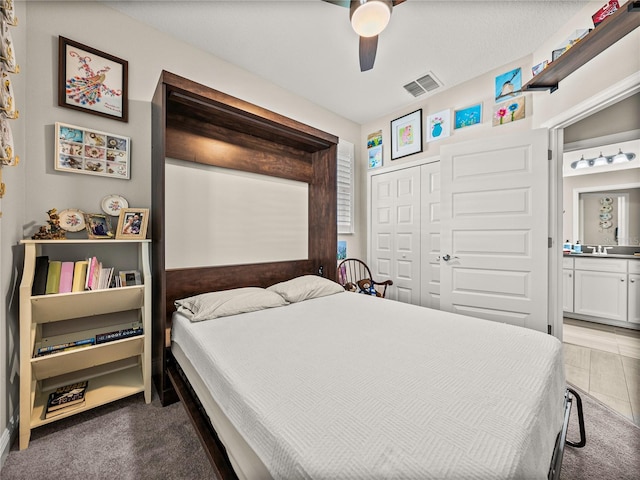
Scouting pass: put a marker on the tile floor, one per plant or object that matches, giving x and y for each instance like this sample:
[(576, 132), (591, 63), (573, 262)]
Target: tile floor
[(605, 362)]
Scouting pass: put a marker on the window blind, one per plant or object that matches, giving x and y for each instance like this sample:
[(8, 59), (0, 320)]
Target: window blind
[(345, 187)]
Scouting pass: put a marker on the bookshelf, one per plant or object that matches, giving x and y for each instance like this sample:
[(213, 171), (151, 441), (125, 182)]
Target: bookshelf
[(115, 369)]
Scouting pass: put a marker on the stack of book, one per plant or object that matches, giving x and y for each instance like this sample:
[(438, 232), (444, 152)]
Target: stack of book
[(54, 276), (65, 399)]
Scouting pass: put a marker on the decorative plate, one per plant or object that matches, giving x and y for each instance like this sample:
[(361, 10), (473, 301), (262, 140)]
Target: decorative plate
[(112, 204), (606, 224), (605, 216), (605, 208), (72, 220), (606, 201)]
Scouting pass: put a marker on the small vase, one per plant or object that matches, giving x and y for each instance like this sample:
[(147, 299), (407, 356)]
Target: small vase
[(436, 130)]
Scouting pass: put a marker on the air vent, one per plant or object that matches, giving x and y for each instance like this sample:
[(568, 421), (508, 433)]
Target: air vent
[(422, 85)]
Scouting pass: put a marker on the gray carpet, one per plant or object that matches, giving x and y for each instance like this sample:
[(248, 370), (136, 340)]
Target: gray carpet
[(131, 440)]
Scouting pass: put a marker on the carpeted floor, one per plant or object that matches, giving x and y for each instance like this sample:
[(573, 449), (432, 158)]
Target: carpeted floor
[(131, 440)]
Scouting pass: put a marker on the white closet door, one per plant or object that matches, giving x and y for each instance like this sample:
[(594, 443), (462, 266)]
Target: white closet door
[(494, 229), (430, 234), (395, 232)]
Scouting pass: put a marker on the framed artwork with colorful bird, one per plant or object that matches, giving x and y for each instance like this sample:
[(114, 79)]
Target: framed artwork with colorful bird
[(91, 80)]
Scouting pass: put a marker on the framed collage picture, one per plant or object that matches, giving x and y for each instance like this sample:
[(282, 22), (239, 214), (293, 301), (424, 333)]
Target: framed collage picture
[(88, 151)]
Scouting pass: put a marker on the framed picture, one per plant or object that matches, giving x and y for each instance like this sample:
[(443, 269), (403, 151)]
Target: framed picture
[(82, 150), (98, 226), (92, 81), (438, 125), (406, 135), (508, 85), (508, 112), (465, 117), (132, 223), (129, 278)]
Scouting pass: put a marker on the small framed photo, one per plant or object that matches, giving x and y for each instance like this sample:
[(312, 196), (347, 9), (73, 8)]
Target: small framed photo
[(465, 117), (132, 223), (92, 81), (83, 150), (129, 278), (406, 135), (98, 226)]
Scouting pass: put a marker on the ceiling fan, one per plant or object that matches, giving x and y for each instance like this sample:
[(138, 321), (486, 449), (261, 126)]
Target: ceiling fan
[(368, 19)]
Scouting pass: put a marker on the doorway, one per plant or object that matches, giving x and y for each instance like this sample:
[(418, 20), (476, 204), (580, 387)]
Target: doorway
[(603, 360)]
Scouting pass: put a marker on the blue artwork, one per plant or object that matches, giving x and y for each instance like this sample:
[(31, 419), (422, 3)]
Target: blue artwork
[(342, 249), (508, 85), (468, 116)]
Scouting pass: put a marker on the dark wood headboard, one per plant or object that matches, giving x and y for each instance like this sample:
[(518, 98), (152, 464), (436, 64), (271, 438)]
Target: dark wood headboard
[(195, 123)]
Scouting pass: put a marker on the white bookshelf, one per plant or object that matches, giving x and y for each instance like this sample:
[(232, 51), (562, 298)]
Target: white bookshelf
[(114, 369)]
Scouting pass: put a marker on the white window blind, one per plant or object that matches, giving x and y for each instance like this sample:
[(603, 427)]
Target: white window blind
[(345, 187)]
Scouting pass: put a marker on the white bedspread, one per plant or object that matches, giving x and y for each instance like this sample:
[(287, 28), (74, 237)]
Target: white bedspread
[(356, 387)]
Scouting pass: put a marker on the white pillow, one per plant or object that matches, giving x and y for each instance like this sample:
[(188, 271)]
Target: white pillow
[(228, 302), (306, 287)]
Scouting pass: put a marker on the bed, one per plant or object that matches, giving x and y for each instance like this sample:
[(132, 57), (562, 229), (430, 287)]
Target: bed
[(346, 386), (379, 389)]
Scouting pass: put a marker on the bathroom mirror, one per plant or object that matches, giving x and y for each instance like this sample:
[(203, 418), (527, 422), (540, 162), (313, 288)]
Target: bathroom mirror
[(607, 215)]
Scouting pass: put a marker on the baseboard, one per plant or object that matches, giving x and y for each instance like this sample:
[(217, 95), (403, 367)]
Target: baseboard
[(7, 438)]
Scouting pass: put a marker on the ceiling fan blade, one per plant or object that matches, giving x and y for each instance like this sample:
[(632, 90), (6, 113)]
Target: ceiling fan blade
[(398, 2), (341, 3), (368, 47)]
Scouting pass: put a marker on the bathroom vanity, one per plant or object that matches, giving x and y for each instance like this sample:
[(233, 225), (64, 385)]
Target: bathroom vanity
[(602, 288)]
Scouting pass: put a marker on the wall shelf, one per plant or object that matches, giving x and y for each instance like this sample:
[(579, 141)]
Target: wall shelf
[(623, 21)]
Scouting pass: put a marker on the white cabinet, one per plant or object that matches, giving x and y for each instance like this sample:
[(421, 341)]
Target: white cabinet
[(115, 369), (567, 290), (600, 288)]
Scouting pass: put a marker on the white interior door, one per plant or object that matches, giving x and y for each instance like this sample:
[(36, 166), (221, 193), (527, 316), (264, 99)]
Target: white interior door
[(395, 232), (494, 228), (430, 234)]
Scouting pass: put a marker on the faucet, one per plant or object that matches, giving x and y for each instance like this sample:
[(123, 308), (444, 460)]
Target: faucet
[(605, 250)]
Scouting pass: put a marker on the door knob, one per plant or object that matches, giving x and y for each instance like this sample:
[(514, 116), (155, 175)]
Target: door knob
[(448, 257)]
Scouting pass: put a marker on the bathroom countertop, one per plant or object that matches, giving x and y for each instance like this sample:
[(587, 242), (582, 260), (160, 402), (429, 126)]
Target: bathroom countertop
[(601, 255)]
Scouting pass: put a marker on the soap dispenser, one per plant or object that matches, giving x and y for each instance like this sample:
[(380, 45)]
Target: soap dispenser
[(567, 246), (577, 248)]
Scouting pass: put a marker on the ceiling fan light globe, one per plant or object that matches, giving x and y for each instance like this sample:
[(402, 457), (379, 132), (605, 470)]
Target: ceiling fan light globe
[(370, 18)]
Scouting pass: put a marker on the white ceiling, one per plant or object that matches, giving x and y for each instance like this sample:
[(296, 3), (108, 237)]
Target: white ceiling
[(309, 48)]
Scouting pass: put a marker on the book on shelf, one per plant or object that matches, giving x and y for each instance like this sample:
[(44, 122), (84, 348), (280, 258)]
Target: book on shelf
[(66, 398), (53, 276), (93, 273), (63, 347), (79, 276), (39, 286), (66, 277), (134, 330), (104, 279)]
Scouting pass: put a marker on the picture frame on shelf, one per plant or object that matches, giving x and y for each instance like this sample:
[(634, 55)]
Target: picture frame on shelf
[(92, 81), (98, 226), (132, 223), (129, 278), (406, 135), (92, 152)]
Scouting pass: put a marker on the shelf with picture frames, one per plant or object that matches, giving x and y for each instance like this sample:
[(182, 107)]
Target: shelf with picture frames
[(622, 22)]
